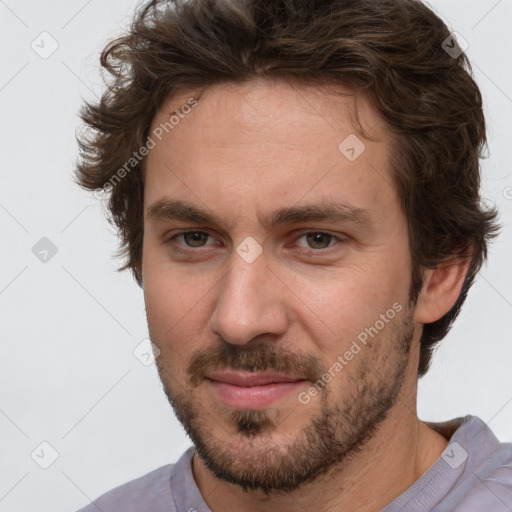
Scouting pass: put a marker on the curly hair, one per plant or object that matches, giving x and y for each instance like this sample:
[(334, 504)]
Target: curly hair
[(396, 52)]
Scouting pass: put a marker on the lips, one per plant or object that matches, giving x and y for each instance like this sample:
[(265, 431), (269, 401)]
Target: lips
[(250, 379), (252, 390)]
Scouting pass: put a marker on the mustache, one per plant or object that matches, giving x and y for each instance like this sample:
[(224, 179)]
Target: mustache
[(254, 358)]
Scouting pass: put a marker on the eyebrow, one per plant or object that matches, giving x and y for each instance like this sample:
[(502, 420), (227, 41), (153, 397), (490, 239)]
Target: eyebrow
[(331, 211)]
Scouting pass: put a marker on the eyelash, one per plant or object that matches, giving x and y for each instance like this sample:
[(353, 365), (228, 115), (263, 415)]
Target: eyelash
[(310, 251)]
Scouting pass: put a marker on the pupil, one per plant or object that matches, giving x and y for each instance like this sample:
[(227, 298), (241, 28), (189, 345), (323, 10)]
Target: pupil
[(315, 239), (194, 239)]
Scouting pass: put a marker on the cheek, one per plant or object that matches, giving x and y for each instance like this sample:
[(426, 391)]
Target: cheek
[(168, 291), (165, 316), (336, 307), (162, 302), (177, 309)]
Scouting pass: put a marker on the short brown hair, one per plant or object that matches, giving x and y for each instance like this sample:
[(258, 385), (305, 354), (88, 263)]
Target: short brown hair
[(390, 50)]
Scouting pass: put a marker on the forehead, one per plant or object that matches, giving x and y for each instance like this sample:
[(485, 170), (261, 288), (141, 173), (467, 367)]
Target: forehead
[(269, 143), (259, 104)]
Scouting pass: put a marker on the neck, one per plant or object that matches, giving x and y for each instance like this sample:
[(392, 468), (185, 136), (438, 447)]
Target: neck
[(401, 450)]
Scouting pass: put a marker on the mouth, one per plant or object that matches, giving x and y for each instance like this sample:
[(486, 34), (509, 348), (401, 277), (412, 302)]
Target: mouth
[(252, 390)]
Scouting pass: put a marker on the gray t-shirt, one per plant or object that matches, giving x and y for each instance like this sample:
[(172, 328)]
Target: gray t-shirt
[(474, 474)]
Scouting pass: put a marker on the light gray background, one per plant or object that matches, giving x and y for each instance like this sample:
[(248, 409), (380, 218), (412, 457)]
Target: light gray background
[(69, 326)]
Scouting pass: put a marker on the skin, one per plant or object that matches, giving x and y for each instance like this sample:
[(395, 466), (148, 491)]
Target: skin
[(243, 152)]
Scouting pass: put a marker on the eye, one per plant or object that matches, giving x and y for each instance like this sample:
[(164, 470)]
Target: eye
[(192, 238), (318, 240), (309, 242)]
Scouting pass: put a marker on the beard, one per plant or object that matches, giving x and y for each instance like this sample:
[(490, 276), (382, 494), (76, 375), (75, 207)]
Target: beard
[(347, 418)]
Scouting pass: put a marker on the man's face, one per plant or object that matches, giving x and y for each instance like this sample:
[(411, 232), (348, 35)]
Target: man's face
[(284, 330)]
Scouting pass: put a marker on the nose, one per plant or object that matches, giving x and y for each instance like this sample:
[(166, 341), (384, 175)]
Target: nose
[(250, 302)]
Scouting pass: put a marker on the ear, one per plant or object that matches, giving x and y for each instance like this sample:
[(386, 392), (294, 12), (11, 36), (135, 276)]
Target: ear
[(441, 289)]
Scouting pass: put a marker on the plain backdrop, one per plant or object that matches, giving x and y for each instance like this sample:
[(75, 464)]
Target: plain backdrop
[(69, 326)]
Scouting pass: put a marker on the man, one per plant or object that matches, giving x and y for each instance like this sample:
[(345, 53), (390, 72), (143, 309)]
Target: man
[(296, 187)]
